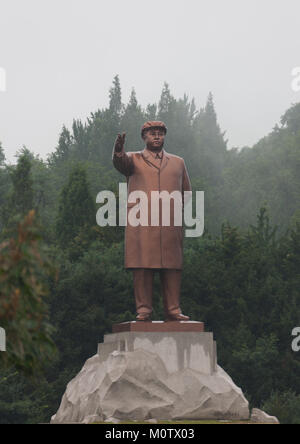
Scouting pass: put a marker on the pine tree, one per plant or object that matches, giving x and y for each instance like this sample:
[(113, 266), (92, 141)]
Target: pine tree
[(77, 210), (81, 139), (209, 130), (165, 103), (115, 98), (22, 198), (104, 126), (211, 144), (133, 103), (64, 145), (151, 112), (132, 121)]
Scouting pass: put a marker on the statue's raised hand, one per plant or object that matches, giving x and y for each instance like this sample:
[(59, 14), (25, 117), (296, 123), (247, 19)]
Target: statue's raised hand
[(120, 142)]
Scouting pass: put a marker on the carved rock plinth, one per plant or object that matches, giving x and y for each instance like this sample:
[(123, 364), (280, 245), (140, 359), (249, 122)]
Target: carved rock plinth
[(153, 375)]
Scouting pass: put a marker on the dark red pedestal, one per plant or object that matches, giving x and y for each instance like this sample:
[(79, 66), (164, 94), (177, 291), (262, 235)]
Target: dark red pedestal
[(158, 326)]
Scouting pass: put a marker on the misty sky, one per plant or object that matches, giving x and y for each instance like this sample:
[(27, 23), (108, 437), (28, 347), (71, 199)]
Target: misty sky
[(60, 57)]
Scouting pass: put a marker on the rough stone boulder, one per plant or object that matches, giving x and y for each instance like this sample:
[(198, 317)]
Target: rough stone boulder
[(260, 417), (137, 386)]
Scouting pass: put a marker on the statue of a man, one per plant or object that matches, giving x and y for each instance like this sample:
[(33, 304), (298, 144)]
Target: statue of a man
[(154, 247)]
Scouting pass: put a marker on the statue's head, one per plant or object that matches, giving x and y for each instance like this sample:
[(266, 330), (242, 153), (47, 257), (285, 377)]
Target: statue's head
[(153, 133)]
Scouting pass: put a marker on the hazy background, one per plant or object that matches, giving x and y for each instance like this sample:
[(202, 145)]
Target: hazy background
[(61, 56)]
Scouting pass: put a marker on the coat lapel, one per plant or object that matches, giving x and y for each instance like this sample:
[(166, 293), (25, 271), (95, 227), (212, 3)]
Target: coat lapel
[(148, 158), (165, 160)]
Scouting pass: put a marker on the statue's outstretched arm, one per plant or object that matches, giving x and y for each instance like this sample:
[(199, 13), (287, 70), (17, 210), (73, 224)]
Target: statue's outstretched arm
[(122, 161)]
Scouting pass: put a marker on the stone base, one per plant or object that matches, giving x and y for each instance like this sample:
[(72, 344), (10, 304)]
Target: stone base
[(159, 376), (177, 350)]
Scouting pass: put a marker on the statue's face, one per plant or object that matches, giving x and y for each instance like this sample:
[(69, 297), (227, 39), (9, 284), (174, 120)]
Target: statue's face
[(154, 138)]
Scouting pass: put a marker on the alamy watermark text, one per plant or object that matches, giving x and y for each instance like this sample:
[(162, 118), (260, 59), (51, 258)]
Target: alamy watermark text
[(136, 209)]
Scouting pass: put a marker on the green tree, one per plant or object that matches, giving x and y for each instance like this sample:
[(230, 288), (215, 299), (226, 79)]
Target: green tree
[(291, 119), (24, 269), (20, 198), (132, 121), (115, 98), (64, 147), (81, 140), (77, 211), (165, 103), (211, 144)]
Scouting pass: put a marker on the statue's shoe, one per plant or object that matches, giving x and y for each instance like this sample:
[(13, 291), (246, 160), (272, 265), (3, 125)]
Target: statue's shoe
[(177, 317), (143, 317)]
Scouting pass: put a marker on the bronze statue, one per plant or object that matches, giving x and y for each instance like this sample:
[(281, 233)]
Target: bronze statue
[(153, 248)]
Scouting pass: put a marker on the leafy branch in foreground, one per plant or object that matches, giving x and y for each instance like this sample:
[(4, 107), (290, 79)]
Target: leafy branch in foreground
[(24, 268)]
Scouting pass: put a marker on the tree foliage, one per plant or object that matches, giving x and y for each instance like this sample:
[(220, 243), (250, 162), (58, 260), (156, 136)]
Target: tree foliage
[(23, 304)]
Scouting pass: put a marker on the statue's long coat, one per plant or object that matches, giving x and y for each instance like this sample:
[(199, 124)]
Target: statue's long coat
[(153, 246)]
